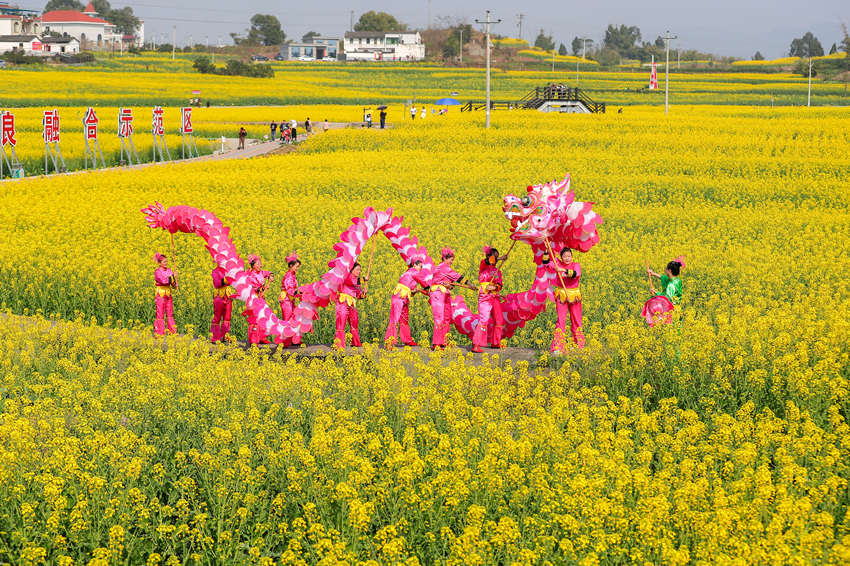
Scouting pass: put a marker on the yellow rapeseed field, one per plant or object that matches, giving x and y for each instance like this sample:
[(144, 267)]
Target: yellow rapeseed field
[(722, 439)]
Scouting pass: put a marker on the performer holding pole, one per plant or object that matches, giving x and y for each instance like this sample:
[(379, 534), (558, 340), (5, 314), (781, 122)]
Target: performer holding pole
[(346, 307), (408, 285), (222, 305), (660, 307), (166, 282), (489, 301), (258, 278), (290, 295), (441, 297), (567, 297)]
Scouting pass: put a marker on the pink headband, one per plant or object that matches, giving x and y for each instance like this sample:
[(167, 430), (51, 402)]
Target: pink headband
[(253, 258), (447, 252), (158, 256), (681, 260), (487, 250), (292, 257)]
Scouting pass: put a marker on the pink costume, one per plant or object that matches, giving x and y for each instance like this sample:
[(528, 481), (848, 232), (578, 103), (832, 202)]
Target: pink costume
[(441, 299), (567, 299), (399, 306), (257, 280), (289, 295), (222, 305), (346, 311), (164, 302), (489, 302)]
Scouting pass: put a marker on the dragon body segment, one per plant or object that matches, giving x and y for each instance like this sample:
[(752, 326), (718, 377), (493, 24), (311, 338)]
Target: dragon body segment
[(552, 215)]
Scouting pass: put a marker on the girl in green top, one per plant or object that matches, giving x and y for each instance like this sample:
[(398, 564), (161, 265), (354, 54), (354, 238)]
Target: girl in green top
[(671, 283)]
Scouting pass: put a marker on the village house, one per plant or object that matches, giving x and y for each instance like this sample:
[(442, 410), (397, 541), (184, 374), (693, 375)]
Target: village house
[(67, 45), (383, 46), (315, 48), (17, 21), (92, 31), (28, 44)]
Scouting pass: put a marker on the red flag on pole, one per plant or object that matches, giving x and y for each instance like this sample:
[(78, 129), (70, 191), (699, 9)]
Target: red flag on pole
[(653, 76)]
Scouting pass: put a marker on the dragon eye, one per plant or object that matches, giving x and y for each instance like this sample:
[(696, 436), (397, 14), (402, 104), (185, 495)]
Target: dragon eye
[(526, 200)]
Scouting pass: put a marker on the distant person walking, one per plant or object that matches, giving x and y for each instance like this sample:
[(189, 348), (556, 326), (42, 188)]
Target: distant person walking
[(293, 128), (412, 112), (325, 125), (424, 112), (243, 133), (273, 127), (383, 116), (308, 125)]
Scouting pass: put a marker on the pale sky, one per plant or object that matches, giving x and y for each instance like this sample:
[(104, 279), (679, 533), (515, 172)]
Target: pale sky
[(723, 27)]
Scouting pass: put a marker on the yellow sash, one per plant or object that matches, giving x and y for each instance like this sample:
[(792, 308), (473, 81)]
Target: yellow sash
[(484, 287), (223, 292), (163, 290), (403, 291), (439, 288), (347, 299), (568, 295)]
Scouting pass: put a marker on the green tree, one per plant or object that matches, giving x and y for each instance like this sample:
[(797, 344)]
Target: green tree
[(452, 45), (308, 37), (806, 46), (63, 5), (544, 41), (124, 20), (758, 56), (845, 43), (833, 50), (265, 30), (622, 38), (608, 57), (378, 21), (562, 49), (203, 64)]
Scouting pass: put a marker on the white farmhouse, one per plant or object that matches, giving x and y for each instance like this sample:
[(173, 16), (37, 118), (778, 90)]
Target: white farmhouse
[(18, 21), (92, 31), (60, 45), (383, 46), (28, 44)]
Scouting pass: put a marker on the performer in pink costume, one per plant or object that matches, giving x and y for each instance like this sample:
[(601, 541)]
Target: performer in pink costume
[(165, 282), (489, 301), (567, 298), (258, 278), (346, 308), (222, 305), (408, 285), (441, 297), (289, 296)]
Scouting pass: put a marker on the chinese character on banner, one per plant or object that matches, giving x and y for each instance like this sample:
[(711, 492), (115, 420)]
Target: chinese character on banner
[(50, 122), (7, 125), (186, 122), (90, 121), (125, 122), (653, 77), (158, 129)]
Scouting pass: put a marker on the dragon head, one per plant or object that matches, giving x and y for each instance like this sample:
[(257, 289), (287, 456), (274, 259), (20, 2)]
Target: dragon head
[(550, 212)]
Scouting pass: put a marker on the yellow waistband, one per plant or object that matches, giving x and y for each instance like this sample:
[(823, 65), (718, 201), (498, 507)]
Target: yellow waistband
[(403, 291), (163, 290), (440, 288), (568, 295), (347, 299), (223, 292), (484, 287), (285, 297)]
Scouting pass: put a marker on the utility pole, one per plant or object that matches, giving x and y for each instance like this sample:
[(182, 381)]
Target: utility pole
[(488, 21), (460, 43), (173, 41), (351, 21), (667, 38), (429, 14), (520, 16), (809, 101), (584, 41)]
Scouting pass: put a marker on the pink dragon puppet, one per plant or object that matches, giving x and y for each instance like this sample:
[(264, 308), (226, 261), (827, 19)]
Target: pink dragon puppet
[(547, 211)]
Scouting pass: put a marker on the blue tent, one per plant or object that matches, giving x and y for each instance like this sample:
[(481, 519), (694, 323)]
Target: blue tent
[(447, 102)]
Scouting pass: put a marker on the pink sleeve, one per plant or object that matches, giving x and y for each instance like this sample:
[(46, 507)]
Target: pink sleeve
[(290, 285)]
